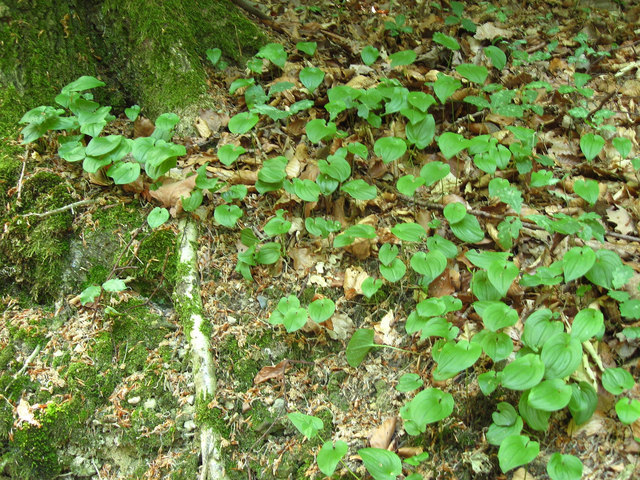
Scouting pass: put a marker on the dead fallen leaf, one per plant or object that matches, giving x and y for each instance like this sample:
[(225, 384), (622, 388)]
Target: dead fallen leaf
[(269, 373), (382, 435), (407, 452), (522, 474), (25, 414), (352, 284), (445, 284), (360, 248), (622, 219), (169, 194), (210, 122), (302, 258), (143, 127), (489, 31), (339, 327)]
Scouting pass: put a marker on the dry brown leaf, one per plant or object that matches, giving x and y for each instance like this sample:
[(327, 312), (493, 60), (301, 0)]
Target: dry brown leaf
[(269, 373), (100, 178), (360, 81), (360, 248), (143, 127), (243, 177), (423, 218), (522, 474), (595, 425), (631, 88), (445, 284), (382, 435), (352, 284), (297, 161), (623, 221), (25, 414), (169, 194), (489, 31), (137, 186), (407, 452), (302, 258), (210, 122), (339, 327)]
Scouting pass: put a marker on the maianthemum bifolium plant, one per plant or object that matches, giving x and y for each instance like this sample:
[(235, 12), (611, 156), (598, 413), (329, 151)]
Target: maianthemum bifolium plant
[(549, 366)]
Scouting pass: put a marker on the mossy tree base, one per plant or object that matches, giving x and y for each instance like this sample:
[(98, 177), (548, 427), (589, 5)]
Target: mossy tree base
[(153, 56)]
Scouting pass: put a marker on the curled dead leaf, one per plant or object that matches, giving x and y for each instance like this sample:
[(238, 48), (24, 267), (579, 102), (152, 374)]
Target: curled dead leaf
[(352, 284), (269, 373), (143, 127), (382, 435)]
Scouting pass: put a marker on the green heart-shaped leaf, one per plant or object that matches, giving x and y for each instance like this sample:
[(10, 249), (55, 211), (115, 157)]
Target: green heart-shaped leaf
[(515, 451)]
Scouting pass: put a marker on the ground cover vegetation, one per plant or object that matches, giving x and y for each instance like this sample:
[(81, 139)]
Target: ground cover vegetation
[(419, 258)]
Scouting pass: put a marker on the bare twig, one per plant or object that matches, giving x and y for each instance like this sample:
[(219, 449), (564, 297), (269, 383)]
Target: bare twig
[(61, 209), (24, 164), (28, 360), (533, 226)]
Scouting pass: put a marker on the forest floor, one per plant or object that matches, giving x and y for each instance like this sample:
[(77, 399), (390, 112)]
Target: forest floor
[(105, 391)]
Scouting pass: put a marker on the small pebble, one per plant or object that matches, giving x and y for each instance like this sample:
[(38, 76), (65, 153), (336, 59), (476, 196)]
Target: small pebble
[(134, 400), (189, 425), (262, 300)]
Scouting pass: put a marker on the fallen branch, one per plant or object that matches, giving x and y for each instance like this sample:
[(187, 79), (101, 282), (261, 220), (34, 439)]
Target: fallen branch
[(61, 209), (189, 309)]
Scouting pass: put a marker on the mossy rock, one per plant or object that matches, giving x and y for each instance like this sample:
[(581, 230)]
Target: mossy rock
[(34, 250), (33, 451), (158, 259)]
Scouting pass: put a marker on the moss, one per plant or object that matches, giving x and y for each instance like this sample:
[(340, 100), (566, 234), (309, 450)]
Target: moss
[(48, 48), (38, 247), (11, 111), (102, 351), (158, 263), (7, 355), (185, 468), (96, 276), (33, 336), (14, 387), (334, 390), (120, 218), (243, 368), (92, 385), (168, 41), (185, 306), (34, 447), (211, 417), (134, 335)]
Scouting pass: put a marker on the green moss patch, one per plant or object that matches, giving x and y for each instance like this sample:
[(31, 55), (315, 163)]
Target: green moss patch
[(35, 249), (171, 52)]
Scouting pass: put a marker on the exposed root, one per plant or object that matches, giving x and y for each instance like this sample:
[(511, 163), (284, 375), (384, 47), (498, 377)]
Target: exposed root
[(189, 307)]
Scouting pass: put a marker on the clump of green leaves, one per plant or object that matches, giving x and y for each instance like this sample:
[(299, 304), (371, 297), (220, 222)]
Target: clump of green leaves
[(398, 26)]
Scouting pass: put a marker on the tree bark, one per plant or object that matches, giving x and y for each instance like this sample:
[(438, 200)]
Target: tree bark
[(151, 53)]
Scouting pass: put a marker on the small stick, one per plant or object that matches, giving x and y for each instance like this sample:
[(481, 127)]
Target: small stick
[(28, 360), (61, 209), (24, 164), (533, 226)]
